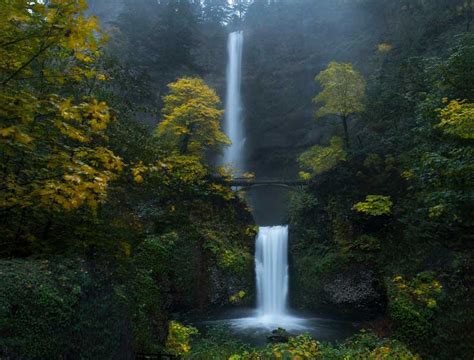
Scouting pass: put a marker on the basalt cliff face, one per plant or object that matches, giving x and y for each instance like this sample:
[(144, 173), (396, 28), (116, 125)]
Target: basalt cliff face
[(282, 56)]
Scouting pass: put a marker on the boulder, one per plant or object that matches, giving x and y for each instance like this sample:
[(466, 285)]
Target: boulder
[(356, 289)]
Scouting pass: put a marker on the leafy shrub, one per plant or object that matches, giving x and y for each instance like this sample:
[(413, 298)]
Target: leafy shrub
[(237, 297), (375, 205), (320, 159), (366, 243), (299, 347), (179, 336), (363, 346), (367, 346), (235, 261), (217, 344), (143, 295), (53, 307), (412, 306), (457, 119)]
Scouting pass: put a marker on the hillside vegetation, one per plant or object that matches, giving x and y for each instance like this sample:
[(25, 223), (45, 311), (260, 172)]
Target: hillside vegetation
[(118, 229)]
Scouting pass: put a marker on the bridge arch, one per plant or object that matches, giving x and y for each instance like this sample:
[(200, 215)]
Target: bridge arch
[(249, 183)]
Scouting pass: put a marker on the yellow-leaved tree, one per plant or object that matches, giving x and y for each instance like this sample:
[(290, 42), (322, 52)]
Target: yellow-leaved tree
[(191, 119), (342, 95), (53, 153), (457, 119)]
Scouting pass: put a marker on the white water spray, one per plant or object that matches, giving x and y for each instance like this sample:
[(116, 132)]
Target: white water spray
[(233, 126)]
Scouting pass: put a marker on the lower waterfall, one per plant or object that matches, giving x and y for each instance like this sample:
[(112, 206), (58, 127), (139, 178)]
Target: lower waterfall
[(271, 268)]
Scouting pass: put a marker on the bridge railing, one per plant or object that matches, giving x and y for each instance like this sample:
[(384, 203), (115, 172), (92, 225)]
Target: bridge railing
[(260, 181)]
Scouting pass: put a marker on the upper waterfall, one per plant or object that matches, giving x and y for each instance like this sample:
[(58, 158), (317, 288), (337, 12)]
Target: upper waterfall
[(233, 126)]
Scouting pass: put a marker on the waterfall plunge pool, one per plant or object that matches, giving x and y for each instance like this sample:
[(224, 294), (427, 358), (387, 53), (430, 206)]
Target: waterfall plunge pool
[(249, 326), (272, 312)]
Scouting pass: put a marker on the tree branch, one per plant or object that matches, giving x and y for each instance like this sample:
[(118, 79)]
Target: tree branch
[(22, 67)]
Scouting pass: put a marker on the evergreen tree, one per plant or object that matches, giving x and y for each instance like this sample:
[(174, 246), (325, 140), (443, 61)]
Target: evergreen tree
[(175, 34), (216, 11)]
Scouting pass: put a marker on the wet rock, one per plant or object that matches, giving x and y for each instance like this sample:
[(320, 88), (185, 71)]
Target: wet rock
[(356, 289), (279, 335), (226, 288)]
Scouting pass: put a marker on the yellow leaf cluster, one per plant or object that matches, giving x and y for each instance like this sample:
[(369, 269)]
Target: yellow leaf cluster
[(139, 170), (237, 297), (85, 180), (33, 33), (422, 290), (48, 159), (321, 159), (298, 348), (178, 340), (374, 205), (384, 48), (457, 119)]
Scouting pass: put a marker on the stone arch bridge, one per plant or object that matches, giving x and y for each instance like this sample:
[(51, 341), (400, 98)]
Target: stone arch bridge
[(250, 183)]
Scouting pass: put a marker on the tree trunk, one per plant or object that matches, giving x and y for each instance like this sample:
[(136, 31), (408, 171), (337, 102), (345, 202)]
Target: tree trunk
[(183, 149), (202, 283), (346, 132), (184, 145), (47, 227), (469, 16)]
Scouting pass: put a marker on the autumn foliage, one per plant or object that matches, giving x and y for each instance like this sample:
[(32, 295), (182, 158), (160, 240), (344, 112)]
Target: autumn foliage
[(53, 145)]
